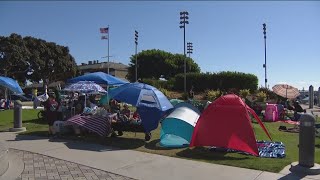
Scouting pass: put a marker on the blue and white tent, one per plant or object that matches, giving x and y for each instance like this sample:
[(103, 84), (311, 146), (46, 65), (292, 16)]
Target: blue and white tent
[(177, 127)]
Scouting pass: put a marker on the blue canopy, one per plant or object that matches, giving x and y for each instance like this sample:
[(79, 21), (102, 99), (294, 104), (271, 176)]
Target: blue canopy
[(99, 78), (10, 84)]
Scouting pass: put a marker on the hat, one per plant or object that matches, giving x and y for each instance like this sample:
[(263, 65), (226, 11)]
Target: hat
[(125, 105)]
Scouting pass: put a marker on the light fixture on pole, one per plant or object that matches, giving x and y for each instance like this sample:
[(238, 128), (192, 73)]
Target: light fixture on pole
[(107, 37), (265, 54), (183, 21), (136, 42), (189, 48)]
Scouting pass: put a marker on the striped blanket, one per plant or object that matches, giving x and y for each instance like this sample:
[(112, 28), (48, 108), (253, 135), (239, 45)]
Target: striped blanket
[(98, 124)]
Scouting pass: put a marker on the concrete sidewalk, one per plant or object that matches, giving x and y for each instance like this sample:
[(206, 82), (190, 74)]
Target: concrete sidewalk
[(134, 164)]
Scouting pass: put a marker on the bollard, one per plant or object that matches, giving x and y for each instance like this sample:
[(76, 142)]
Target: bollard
[(306, 140), (17, 117), (311, 97)]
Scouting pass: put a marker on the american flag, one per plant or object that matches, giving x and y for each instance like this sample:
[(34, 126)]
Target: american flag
[(104, 37), (104, 30)]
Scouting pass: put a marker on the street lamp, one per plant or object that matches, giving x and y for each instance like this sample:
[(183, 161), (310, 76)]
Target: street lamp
[(136, 42), (183, 21), (265, 54)]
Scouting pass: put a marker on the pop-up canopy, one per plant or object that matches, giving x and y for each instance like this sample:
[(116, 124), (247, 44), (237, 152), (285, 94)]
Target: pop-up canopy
[(10, 84), (99, 78)]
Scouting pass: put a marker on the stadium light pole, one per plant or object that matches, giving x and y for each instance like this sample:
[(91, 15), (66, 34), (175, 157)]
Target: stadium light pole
[(265, 54), (136, 35), (183, 21)]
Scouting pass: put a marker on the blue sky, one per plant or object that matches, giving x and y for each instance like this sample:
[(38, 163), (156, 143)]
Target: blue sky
[(226, 36)]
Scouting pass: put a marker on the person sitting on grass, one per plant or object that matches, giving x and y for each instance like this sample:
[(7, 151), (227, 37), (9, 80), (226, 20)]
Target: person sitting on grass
[(79, 105), (136, 117), (114, 106), (297, 110), (125, 113), (118, 123)]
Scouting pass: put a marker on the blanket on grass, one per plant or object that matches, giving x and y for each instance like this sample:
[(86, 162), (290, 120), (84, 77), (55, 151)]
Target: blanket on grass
[(267, 149), (289, 122)]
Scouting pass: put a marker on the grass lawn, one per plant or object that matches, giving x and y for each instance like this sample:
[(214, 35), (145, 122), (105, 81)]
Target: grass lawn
[(136, 141), (30, 121)]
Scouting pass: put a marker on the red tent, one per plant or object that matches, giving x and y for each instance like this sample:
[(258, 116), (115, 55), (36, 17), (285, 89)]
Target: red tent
[(226, 123)]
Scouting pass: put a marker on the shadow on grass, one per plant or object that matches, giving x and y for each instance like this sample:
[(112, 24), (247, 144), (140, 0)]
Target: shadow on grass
[(35, 121), (90, 142), (203, 153), (155, 145)]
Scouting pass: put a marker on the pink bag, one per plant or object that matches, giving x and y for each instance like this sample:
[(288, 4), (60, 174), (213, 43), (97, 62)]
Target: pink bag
[(271, 113)]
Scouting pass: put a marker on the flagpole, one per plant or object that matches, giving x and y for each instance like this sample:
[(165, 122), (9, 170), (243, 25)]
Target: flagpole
[(108, 49)]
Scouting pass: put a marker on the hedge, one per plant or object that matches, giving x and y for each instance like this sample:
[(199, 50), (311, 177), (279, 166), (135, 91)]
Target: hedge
[(223, 81)]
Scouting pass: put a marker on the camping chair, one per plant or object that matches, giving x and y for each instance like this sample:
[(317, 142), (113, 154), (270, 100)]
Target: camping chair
[(124, 124)]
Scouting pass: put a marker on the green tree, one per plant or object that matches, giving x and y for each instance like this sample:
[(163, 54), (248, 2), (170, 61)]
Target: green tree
[(13, 57), (154, 63), (48, 60)]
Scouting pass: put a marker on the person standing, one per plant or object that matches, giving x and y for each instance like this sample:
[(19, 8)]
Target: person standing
[(191, 93), (51, 106)]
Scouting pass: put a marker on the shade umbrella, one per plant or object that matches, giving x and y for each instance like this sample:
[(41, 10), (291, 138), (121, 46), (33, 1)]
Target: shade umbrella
[(151, 103), (86, 87), (286, 91), (11, 84), (139, 94)]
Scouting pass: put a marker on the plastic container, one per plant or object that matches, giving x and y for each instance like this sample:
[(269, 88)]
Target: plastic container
[(271, 113)]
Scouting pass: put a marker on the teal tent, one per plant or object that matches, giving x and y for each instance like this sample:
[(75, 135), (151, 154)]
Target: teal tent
[(177, 127)]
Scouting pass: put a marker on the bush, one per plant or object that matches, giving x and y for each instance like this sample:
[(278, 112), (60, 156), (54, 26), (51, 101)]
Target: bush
[(270, 94), (212, 95), (165, 92), (261, 96), (184, 96), (159, 84), (244, 93), (225, 81), (199, 105)]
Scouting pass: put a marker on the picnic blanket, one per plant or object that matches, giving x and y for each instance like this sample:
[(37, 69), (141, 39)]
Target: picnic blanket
[(267, 149), (289, 122), (270, 149), (97, 124)]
